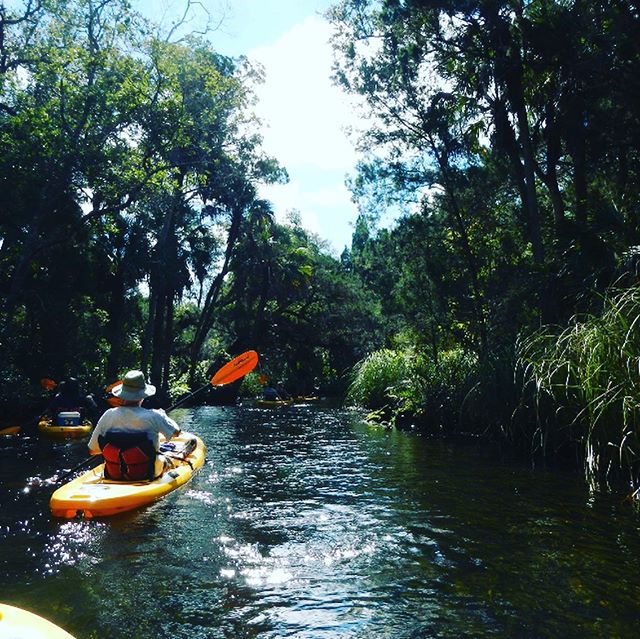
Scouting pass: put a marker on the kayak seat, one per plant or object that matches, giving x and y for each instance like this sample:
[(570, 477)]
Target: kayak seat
[(127, 456)]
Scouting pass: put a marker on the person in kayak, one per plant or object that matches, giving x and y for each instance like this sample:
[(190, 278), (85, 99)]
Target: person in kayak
[(70, 398), (128, 436), (270, 394), (283, 393), (274, 393)]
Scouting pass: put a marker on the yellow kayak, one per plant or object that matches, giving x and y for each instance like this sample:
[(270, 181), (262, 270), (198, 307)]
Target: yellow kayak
[(274, 402), (90, 495), (47, 427), (266, 403), (16, 623)]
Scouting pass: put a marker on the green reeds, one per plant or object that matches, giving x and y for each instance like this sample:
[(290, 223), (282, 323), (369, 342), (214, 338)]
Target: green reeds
[(410, 388), (584, 380)]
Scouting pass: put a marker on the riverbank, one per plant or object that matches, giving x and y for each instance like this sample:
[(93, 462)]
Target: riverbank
[(565, 395)]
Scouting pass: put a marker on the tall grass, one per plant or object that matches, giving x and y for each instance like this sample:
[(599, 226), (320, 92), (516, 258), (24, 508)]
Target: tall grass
[(410, 388), (584, 383)]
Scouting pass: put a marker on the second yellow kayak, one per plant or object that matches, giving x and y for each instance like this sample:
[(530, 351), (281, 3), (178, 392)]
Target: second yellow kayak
[(266, 403), (47, 427), (16, 623)]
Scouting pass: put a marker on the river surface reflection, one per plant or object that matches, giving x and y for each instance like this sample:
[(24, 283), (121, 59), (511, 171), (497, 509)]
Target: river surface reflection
[(307, 523)]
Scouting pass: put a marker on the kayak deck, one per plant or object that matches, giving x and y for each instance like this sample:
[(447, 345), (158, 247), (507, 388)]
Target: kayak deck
[(90, 495)]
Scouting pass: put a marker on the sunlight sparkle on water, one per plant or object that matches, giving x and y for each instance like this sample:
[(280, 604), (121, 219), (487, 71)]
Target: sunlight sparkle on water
[(71, 543), (227, 573), (201, 495), (263, 576)]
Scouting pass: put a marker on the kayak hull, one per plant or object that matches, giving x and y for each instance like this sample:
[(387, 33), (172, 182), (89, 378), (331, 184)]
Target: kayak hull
[(90, 495), (46, 427), (269, 403), (22, 624)]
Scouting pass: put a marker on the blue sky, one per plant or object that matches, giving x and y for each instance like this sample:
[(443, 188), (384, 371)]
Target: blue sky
[(304, 114)]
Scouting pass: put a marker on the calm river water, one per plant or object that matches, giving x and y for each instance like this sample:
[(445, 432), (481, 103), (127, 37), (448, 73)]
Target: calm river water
[(307, 523)]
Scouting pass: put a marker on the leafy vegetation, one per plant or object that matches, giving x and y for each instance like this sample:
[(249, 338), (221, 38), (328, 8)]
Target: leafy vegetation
[(409, 388), (504, 135), (591, 370), (131, 223)]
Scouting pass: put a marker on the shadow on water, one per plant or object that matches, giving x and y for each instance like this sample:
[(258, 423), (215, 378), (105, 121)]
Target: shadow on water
[(304, 522)]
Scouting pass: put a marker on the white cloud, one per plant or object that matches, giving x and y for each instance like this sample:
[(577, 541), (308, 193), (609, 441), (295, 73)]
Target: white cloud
[(303, 111), (305, 116), (328, 212)]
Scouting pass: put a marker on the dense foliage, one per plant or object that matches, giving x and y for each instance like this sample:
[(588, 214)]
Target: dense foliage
[(409, 389), (506, 134), (591, 370), (131, 231)]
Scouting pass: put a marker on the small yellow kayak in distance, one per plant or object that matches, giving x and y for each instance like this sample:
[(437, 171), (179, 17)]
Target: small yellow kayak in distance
[(10, 430), (91, 495), (47, 427), (16, 623), (266, 403)]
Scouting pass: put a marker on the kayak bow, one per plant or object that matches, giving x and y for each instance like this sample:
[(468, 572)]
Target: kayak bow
[(16, 623)]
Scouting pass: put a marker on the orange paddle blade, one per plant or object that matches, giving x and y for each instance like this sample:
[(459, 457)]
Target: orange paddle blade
[(235, 369), (47, 384)]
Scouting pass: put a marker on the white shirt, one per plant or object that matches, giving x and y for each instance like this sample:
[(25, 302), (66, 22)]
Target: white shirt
[(134, 419)]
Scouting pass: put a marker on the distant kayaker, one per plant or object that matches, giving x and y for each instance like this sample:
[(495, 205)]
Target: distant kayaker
[(270, 394), (283, 393), (126, 428), (71, 399)]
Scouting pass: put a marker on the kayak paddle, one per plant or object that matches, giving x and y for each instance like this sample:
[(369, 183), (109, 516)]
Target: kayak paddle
[(82, 464), (232, 371)]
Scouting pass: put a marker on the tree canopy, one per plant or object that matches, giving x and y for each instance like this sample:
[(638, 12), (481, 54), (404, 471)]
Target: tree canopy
[(129, 202), (504, 134)]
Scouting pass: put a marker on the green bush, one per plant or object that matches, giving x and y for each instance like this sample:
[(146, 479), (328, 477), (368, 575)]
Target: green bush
[(410, 388), (251, 386)]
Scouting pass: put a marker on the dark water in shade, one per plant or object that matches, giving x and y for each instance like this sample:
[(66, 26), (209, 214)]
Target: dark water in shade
[(306, 523)]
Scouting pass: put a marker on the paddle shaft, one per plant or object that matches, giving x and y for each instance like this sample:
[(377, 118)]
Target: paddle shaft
[(82, 464), (189, 396), (232, 371)]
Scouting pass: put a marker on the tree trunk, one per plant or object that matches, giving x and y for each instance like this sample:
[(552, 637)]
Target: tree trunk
[(206, 316), (114, 333), (508, 75), (465, 244)]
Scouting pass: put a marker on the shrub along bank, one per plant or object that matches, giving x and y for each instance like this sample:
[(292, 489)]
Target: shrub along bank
[(572, 396)]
